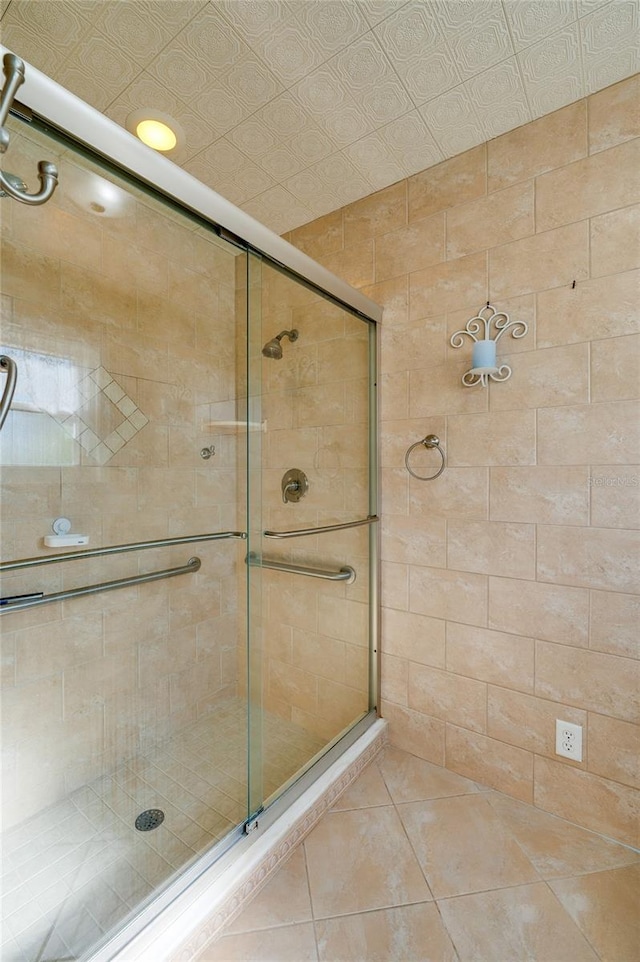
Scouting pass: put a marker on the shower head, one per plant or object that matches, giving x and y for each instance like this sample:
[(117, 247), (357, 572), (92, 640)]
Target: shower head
[(273, 348)]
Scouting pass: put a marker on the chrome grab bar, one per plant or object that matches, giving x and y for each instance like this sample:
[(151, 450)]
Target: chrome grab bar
[(119, 549), (47, 172), (346, 573), (191, 567), (300, 532), (10, 367)]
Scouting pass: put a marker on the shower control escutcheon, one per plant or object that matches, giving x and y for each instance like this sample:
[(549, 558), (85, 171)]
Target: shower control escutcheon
[(295, 485)]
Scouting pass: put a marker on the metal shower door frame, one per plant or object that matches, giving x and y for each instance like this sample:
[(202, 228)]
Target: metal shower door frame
[(63, 112)]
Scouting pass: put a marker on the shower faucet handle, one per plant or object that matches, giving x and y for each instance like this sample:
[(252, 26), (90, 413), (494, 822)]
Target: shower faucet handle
[(289, 489), (295, 485)]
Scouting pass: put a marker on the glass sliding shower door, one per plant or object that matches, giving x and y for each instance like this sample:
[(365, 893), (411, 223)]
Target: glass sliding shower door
[(124, 716), (316, 368), (203, 423)]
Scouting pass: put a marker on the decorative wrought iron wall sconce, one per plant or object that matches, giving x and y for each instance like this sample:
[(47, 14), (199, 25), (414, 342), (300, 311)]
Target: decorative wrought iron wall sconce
[(483, 359)]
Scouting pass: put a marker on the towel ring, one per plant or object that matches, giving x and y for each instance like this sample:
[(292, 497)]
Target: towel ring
[(431, 441)]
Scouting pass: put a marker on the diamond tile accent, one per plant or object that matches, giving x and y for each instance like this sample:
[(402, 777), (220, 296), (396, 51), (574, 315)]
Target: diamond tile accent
[(101, 377), (99, 384), (113, 391)]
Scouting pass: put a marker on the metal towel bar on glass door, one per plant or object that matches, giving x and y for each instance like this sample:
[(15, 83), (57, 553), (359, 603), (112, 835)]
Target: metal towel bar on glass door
[(119, 549), (301, 532), (346, 573), (191, 567)]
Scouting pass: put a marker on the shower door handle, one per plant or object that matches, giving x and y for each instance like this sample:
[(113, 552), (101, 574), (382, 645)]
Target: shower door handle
[(11, 370), (303, 532)]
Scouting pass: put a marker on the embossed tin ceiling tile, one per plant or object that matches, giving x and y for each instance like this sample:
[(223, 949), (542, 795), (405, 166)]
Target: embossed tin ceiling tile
[(552, 71), (452, 120), (334, 25), (532, 20), (499, 98)]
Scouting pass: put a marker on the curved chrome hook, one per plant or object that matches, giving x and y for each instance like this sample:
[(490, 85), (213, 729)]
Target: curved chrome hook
[(48, 177), (11, 369), (47, 172)]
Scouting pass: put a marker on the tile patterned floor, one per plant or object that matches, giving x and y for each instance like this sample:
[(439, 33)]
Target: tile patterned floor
[(416, 864), (75, 870)]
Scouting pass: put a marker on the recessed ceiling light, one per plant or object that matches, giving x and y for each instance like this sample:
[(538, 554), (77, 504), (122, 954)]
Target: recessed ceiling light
[(155, 129), (155, 134)]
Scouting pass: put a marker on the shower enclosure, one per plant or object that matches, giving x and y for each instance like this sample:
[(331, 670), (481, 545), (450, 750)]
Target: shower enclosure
[(207, 631)]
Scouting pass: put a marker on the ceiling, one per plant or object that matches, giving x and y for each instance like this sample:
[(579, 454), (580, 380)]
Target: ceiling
[(293, 108)]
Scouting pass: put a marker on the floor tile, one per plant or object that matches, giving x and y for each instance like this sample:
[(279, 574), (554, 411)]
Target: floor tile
[(366, 791), (412, 779), (290, 943), (463, 846), (522, 924), (556, 847), (359, 860), (284, 899), (410, 932), (606, 907), (11, 952)]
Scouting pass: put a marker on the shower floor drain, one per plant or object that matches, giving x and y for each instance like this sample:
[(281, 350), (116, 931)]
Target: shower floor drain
[(150, 819)]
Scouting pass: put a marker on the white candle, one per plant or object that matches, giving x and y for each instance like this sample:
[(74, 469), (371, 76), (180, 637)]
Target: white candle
[(484, 354)]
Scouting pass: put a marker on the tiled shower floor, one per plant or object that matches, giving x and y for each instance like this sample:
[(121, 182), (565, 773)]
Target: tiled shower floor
[(78, 868), (415, 864)]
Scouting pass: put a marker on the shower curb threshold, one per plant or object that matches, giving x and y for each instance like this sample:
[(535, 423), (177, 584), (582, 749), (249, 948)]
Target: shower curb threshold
[(195, 917)]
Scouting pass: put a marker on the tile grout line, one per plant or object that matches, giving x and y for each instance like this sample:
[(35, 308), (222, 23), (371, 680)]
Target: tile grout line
[(571, 919)]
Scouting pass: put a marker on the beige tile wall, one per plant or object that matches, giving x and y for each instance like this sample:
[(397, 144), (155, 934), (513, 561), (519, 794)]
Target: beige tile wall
[(149, 298), (510, 583)]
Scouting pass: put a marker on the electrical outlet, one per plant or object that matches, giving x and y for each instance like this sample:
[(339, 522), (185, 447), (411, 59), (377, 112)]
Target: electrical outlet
[(569, 740)]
